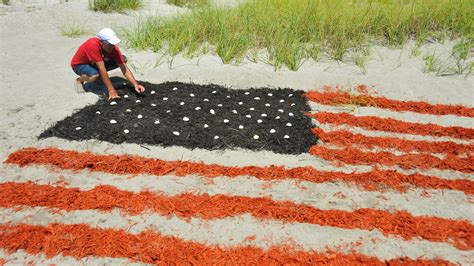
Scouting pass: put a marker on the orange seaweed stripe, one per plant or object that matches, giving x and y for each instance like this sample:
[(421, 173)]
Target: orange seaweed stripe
[(393, 125), (125, 164), (80, 241), (351, 155), (339, 97), (400, 223), (344, 138)]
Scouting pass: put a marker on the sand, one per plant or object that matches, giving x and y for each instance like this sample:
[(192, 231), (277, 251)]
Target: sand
[(36, 84)]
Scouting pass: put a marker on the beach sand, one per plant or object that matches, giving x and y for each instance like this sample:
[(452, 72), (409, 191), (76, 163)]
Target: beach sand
[(36, 84)]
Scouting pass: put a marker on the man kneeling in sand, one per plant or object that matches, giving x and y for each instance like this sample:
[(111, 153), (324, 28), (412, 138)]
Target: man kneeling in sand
[(97, 56)]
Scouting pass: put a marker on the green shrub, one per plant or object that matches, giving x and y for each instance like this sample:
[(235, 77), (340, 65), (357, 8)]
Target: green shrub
[(114, 5)]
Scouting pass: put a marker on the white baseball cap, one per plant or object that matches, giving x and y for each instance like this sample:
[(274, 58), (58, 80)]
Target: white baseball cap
[(108, 35)]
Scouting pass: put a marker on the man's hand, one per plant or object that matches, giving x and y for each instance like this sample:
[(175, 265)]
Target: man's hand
[(113, 95), (139, 88)]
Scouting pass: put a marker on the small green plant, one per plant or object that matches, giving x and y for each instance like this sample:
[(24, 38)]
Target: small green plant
[(461, 53), (114, 5), (188, 3), (6, 2), (73, 30), (361, 61), (432, 63)]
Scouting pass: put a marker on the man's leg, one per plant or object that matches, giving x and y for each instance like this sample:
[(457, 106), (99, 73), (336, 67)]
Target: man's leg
[(87, 73)]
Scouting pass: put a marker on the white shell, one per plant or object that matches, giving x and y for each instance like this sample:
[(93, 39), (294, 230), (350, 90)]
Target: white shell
[(264, 115), (291, 114), (220, 105), (78, 128), (113, 103), (185, 118), (99, 112), (248, 116), (206, 125), (234, 111), (126, 131), (227, 96), (272, 131), (240, 103), (226, 120), (175, 88), (288, 124), (152, 92), (280, 110), (140, 116), (168, 111), (251, 108), (212, 111), (241, 127), (216, 137), (197, 108), (282, 101), (153, 104), (256, 98), (291, 94), (181, 103), (128, 110), (192, 95), (286, 137), (206, 100), (267, 104), (126, 96), (165, 98), (247, 93), (113, 121), (277, 117), (176, 133), (270, 94), (255, 137), (293, 104), (214, 92), (137, 101), (157, 121), (259, 121)]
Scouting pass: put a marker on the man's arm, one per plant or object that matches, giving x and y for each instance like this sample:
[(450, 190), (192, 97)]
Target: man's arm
[(106, 79), (129, 75)]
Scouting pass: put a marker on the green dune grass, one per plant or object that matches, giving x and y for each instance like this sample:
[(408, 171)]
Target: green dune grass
[(114, 5), (295, 30)]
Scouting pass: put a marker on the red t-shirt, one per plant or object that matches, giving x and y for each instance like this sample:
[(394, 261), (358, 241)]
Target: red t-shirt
[(91, 51)]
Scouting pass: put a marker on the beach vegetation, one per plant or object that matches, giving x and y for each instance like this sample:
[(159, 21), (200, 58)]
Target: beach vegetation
[(188, 3), (115, 5), (73, 30), (6, 2), (291, 32), (432, 63)]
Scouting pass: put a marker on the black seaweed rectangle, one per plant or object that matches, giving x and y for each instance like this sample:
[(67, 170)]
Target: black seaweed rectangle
[(196, 116)]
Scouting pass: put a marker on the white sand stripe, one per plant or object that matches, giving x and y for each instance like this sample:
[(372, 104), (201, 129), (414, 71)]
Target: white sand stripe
[(235, 231), (238, 158), (331, 195), (413, 117), (20, 257), (235, 158), (375, 133)]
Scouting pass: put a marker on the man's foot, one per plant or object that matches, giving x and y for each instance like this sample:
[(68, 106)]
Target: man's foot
[(78, 86)]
